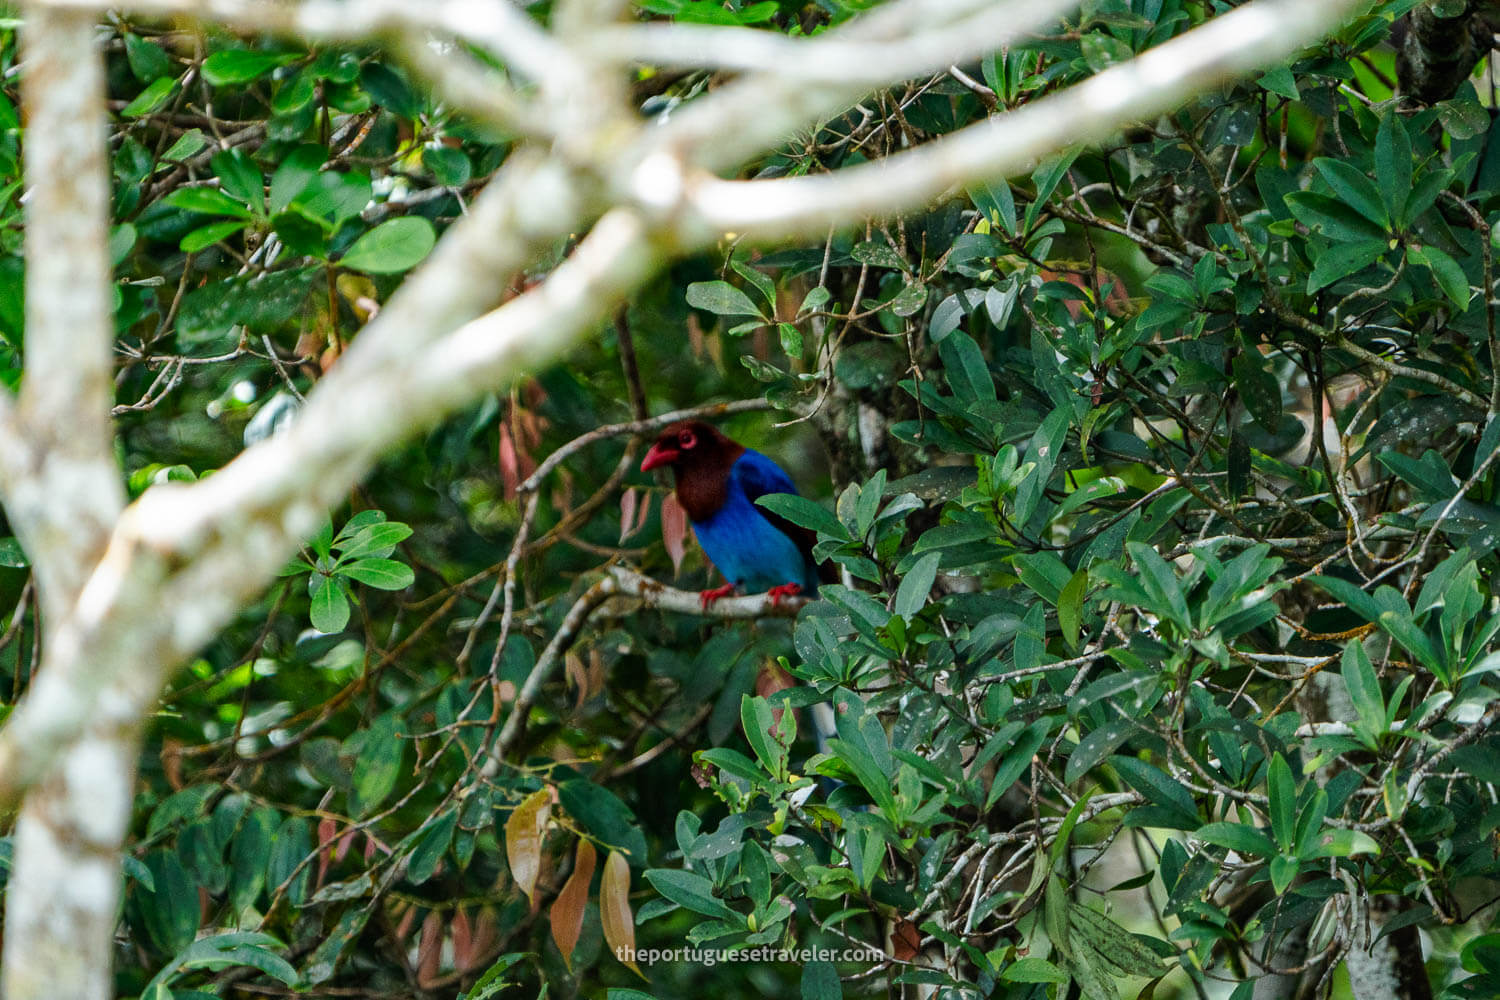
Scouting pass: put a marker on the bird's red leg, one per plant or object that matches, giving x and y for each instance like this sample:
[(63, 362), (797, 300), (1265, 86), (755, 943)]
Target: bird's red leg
[(707, 597), (785, 590)]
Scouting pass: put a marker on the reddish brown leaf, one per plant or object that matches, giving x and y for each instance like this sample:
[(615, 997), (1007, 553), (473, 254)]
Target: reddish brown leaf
[(906, 941), (408, 916), (595, 674), (614, 910), (567, 910), (628, 501), (510, 463), (328, 830), (674, 529), (430, 950), (342, 847), (577, 677), (486, 932), (463, 941), (523, 839), (171, 761)]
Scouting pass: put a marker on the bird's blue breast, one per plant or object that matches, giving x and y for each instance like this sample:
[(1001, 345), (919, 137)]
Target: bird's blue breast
[(748, 549)]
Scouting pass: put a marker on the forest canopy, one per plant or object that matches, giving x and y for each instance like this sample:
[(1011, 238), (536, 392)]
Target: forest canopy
[(1135, 362)]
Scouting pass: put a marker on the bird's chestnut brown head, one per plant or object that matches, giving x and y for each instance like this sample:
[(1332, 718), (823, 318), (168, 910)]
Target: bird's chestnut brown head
[(691, 444)]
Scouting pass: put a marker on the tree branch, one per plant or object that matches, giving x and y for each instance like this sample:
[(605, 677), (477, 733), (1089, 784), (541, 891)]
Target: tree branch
[(62, 486), (1233, 44), (63, 494)]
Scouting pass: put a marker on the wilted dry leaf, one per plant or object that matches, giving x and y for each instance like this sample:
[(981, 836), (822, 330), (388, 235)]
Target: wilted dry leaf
[(906, 941), (463, 941), (523, 839), (674, 529), (430, 950), (628, 501), (614, 910), (567, 911)]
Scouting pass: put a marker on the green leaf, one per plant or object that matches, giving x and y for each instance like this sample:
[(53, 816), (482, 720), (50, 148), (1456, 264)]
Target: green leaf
[(1342, 260), (1237, 837), (1070, 606), (693, 891), (383, 574), (1363, 686), (1160, 790), (1258, 388), (1463, 118), (240, 177), (1017, 760), (232, 66), (449, 166), (261, 303), (249, 854), (302, 235), (378, 765), (378, 539), (187, 144), (291, 847), (804, 513), (910, 299), (1351, 596), (294, 94), (329, 608), (1283, 800), (148, 61), (760, 730), (911, 595), (1059, 846), (878, 253), (1096, 746), (1281, 81), (1033, 970), (1341, 843), (207, 201), (601, 813), (153, 97), (1283, 873), (387, 86), (820, 981), (207, 236), (430, 848), (721, 298), (1353, 188), (1332, 218), (296, 172), (1116, 950), (223, 951), (964, 365), (1393, 166), (791, 339), (1161, 584), (1445, 271), (997, 203), (394, 246)]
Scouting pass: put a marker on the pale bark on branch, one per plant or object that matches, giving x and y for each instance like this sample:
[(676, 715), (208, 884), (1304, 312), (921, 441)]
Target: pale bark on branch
[(63, 495)]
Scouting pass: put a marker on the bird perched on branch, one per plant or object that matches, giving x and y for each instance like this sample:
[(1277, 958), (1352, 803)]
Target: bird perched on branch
[(718, 482)]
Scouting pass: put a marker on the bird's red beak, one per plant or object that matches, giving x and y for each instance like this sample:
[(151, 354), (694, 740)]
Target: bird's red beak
[(659, 455)]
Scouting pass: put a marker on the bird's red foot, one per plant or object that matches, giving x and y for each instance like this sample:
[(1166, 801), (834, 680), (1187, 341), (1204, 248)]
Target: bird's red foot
[(785, 590), (707, 597)]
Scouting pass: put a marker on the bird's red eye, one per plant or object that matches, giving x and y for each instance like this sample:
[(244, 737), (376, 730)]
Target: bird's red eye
[(687, 439)]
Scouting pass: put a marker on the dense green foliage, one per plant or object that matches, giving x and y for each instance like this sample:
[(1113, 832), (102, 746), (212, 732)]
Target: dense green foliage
[(1141, 467)]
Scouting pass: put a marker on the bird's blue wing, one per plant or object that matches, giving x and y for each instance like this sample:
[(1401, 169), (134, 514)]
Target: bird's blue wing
[(758, 475)]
